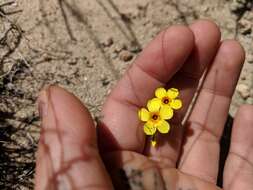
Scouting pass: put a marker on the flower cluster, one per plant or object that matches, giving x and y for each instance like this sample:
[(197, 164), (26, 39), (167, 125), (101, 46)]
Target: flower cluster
[(159, 110)]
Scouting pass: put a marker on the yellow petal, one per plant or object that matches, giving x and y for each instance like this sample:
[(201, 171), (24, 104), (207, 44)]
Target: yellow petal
[(166, 112), (143, 114), (160, 93), (149, 128), (176, 104), (172, 93), (154, 105), (163, 126)]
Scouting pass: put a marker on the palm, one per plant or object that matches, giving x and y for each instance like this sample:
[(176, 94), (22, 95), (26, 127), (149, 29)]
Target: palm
[(186, 158), (140, 172)]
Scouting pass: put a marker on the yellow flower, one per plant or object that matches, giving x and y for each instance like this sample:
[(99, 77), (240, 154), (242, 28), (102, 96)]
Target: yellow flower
[(159, 110), (168, 98), (155, 117)]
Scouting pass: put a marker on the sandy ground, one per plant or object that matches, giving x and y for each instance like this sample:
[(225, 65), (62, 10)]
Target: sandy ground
[(85, 46)]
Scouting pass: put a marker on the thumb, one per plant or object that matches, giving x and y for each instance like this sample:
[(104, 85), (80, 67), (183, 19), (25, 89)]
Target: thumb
[(68, 157)]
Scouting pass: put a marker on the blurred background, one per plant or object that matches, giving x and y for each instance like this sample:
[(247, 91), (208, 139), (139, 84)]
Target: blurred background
[(85, 46)]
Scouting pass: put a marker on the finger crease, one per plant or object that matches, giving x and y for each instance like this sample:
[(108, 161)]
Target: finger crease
[(202, 128), (164, 161), (215, 92), (205, 128), (126, 102), (151, 75), (245, 159)]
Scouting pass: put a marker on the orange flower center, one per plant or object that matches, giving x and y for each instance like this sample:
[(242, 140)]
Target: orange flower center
[(155, 117), (166, 100)]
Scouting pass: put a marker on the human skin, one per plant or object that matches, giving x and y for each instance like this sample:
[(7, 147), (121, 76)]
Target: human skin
[(116, 154)]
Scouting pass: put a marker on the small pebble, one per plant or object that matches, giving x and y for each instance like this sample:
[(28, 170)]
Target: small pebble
[(135, 49), (243, 90), (108, 42), (245, 27), (105, 81), (87, 62), (114, 55), (120, 47), (125, 56), (73, 61), (126, 17), (243, 78)]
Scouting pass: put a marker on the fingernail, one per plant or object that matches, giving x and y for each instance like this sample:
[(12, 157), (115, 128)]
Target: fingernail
[(43, 104)]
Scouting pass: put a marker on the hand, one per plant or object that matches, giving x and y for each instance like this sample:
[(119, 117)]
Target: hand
[(185, 159)]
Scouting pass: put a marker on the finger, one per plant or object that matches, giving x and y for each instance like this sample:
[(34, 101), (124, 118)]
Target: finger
[(206, 123), (120, 127), (207, 40), (68, 157), (238, 173)]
